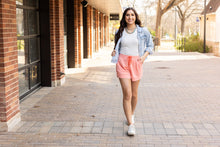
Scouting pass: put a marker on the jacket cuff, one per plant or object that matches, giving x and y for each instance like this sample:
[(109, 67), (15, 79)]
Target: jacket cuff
[(149, 50)]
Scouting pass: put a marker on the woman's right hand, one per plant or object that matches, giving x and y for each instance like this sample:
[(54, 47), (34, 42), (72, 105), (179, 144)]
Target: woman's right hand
[(113, 53)]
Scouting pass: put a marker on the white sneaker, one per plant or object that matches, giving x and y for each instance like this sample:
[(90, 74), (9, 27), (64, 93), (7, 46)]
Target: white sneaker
[(131, 130)]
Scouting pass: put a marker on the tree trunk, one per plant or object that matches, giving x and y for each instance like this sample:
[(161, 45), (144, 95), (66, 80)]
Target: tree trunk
[(182, 26), (158, 22)]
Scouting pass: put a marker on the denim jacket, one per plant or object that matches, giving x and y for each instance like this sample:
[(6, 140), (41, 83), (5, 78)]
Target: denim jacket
[(145, 43)]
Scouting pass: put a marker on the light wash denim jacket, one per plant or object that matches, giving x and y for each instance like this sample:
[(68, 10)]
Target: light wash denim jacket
[(145, 43)]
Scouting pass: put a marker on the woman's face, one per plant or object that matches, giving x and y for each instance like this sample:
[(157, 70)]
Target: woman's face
[(130, 17)]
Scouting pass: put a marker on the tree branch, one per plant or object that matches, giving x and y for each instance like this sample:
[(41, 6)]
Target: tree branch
[(180, 13), (170, 4)]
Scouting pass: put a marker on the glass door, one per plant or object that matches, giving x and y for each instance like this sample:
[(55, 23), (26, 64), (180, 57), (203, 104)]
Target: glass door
[(28, 44)]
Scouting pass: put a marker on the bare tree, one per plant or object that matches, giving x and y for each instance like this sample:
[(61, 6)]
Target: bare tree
[(130, 3), (185, 10), (161, 11)]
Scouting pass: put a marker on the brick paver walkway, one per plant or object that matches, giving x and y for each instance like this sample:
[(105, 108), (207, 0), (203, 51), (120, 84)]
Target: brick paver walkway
[(178, 106)]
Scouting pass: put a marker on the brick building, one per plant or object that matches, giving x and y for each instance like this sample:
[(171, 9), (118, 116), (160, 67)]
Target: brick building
[(39, 39), (212, 26)]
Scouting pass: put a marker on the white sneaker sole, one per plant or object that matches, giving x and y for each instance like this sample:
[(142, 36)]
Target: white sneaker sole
[(131, 134)]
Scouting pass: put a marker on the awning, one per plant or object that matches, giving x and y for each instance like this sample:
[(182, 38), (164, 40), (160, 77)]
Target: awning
[(107, 6)]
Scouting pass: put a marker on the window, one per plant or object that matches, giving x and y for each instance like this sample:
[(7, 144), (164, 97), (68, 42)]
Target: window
[(28, 44)]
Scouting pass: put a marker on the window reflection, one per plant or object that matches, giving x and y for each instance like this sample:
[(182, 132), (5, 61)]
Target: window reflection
[(20, 22), (32, 22), (31, 3), (22, 46), (35, 75), (23, 81), (34, 49)]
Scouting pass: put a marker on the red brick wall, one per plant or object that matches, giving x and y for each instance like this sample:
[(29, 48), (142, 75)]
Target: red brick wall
[(57, 40), (9, 93)]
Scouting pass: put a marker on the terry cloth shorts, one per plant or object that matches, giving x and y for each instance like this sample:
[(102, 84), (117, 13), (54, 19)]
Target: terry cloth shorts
[(129, 67)]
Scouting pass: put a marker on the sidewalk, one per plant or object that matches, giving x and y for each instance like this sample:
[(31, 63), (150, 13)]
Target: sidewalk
[(178, 106)]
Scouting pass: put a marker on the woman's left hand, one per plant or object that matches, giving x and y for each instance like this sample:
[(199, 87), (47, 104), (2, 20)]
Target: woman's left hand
[(141, 59)]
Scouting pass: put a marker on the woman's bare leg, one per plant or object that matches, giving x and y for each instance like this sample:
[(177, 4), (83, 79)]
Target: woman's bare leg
[(127, 94), (134, 87)]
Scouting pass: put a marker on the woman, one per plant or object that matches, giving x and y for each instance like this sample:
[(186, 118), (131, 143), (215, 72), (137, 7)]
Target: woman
[(132, 46)]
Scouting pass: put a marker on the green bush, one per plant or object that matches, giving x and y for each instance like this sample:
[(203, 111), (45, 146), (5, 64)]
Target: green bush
[(152, 32), (192, 44), (195, 46)]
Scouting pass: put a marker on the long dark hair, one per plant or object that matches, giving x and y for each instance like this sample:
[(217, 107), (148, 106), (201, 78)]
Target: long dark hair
[(123, 23)]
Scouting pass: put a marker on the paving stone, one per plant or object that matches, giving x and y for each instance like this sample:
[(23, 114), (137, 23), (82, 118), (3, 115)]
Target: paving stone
[(33, 130), (199, 126), (181, 131), (148, 125), (97, 130), (203, 132), (213, 132), (171, 131), (208, 126), (168, 125), (59, 124), (55, 129), (158, 126), (178, 126), (108, 124), (149, 131), (88, 124), (107, 130), (98, 124), (118, 131), (160, 131), (76, 129), (114, 145), (66, 129), (188, 125), (118, 124), (140, 131), (86, 130), (192, 132)]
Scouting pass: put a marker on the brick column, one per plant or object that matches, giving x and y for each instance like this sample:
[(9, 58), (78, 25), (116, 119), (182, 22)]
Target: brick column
[(9, 93), (97, 31), (80, 33), (102, 30), (107, 30), (57, 42), (88, 9), (91, 32)]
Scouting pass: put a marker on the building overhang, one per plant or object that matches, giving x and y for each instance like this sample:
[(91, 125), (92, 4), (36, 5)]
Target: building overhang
[(107, 6)]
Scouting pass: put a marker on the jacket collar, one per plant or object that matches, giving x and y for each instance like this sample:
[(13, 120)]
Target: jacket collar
[(138, 28)]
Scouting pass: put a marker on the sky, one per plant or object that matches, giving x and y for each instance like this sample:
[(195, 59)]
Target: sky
[(151, 11)]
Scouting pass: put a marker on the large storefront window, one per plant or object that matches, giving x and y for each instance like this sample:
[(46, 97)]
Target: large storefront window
[(28, 44)]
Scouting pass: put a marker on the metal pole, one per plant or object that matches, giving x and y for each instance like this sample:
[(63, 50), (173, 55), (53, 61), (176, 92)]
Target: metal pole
[(204, 50), (175, 23)]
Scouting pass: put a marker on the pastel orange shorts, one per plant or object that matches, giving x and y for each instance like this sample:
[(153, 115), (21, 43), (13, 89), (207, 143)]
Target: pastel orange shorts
[(129, 67)]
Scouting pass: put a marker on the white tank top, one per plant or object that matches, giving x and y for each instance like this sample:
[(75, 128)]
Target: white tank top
[(129, 43)]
